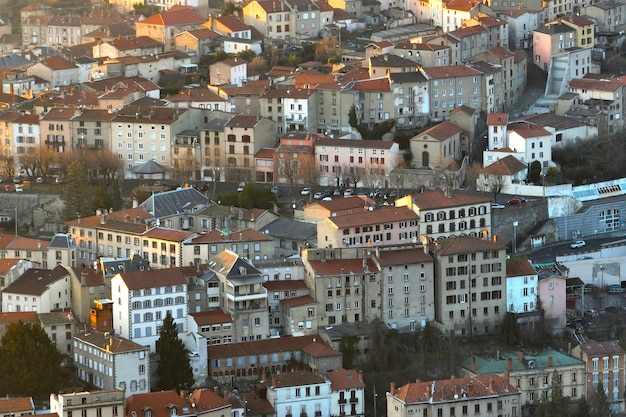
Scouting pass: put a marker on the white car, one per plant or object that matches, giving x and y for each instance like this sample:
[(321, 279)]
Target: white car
[(318, 195), (305, 191), (327, 199), (497, 206), (349, 191), (241, 186), (19, 189), (39, 180), (578, 244)]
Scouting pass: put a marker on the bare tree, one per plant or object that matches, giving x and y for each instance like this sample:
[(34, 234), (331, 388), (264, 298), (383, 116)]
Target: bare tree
[(7, 166), (446, 170), (326, 48), (309, 171), (493, 183), (109, 164), (184, 167), (472, 174), (29, 162)]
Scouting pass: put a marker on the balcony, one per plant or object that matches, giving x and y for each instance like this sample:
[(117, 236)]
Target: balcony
[(54, 142), (293, 120), (354, 400), (342, 401)]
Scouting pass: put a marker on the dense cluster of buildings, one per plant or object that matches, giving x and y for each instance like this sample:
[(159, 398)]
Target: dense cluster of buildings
[(259, 298)]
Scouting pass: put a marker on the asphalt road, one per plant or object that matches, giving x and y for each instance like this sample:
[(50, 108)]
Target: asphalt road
[(550, 253)]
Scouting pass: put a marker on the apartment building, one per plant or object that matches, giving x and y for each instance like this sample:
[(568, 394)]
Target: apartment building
[(242, 295), (480, 395), (6, 133), (293, 109), (159, 404), (40, 290), (56, 70), (609, 15), (447, 214), (407, 283), (604, 361), (61, 250), (26, 138), (248, 360), (299, 393), (457, 12), (522, 286), (60, 326), (332, 117), (602, 97), (232, 71), (279, 290), (141, 134), (360, 163), (585, 30), (347, 393), (452, 86), (550, 40), (532, 374), (410, 98), (142, 299), (164, 27), (104, 403), (55, 130), (244, 137), (373, 100), (20, 406), (274, 20), (247, 243), (345, 282), (294, 158), (91, 129), (123, 47), (531, 142), (364, 229), (112, 362), (470, 289)]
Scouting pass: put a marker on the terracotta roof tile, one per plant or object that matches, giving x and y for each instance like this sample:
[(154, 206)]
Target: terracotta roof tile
[(288, 284), (497, 119), (283, 344), (509, 165), (298, 301), (56, 62), (172, 235), (7, 264), (160, 403), (518, 267), (595, 348), (345, 379), (434, 392), (403, 256), (18, 406), (207, 400), (17, 316), (175, 16), (345, 203), (442, 131), (319, 349), (449, 71), (365, 218), (527, 130), (606, 84), (295, 379), (429, 200), (211, 317), (375, 84), (243, 121)]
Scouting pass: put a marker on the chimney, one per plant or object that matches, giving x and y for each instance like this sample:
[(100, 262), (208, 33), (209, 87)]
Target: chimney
[(509, 364), (83, 278), (274, 381), (263, 375), (474, 364), (470, 389), (521, 356), (392, 388), (361, 376), (135, 202), (491, 384), (549, 360), (506, 376), (183, 394), (429, 392)]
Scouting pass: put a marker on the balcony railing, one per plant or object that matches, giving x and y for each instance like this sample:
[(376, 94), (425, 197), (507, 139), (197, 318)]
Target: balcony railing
[(342, 401), (354, 400)]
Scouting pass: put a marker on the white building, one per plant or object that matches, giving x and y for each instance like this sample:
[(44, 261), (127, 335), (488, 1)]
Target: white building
[(40, 290), (534, 142), (142, 299), (522, 283), (347, 393), (299, 393), (106, 403), (112, 362)]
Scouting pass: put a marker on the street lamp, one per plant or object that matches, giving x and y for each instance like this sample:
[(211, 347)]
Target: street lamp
[(375, 396), (293, 207), (515, 224), (602, 270)]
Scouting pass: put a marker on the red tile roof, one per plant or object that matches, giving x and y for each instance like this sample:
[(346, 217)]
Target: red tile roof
[(160, 403), (376, 84), (433, 392), (172, 235), (283, 344), (207, 400), (509, 165), (285, 284), (294, 379), (345, 379), (450, 71), (18, 406), (403, 256), (319, 349), (518, 267), (345, 203), (17, 316), (211, 317), (246, 235), (7, 264), (595, 348), (298, 301), (442, 131), (364, 218), (56, 62), (606, 84), (243, 121), (233, 23), (429, 200), (354, 143), (527, 130), (177, 15), (497, 119)]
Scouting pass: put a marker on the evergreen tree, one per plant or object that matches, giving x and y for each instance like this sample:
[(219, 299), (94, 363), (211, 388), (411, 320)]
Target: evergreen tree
[(30, 363), (599, 405), (174, 369), (582, 409), (557, 403), (77, 194)]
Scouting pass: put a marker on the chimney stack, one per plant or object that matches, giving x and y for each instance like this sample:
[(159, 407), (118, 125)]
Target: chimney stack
[(549, 360), (263, 375), (491, 384), (474, 367), (392, 388), (521, 356), (509, 364)]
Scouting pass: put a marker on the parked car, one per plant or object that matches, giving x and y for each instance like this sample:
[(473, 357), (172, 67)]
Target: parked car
[(58, 180), (497, 206), (349, 191), (578, 244), (515, 201), (241, 186), (276, 191), (328, 192), (327, 199), (318, 195), (591, 313), (39, 180), (9, 188), (337, 192), (305, 191), (19, 189), (17, 180)]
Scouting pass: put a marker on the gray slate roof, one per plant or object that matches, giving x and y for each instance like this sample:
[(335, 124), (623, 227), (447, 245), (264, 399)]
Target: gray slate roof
[(170, 203), (284, 227)]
